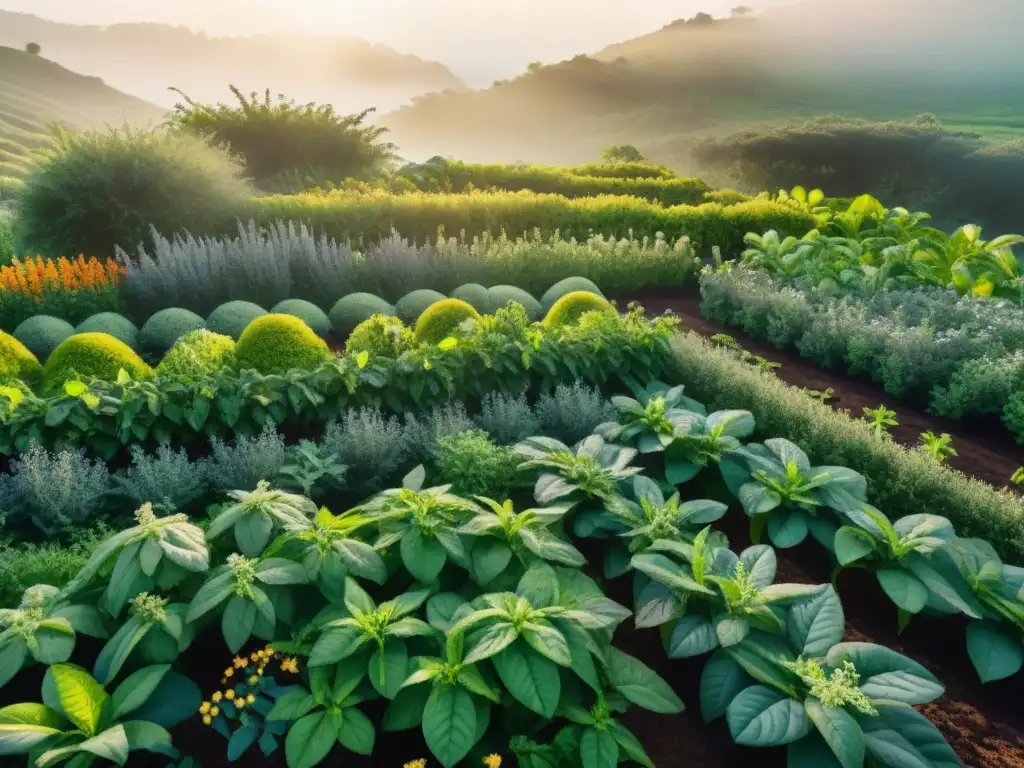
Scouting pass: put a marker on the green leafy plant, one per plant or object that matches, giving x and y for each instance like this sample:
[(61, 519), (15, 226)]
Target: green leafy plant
[(257, 514), (938, 447), (782, 493), (157, 629), (651, 423), (311, 470), (706, 439), (881, 419), (592, 469)]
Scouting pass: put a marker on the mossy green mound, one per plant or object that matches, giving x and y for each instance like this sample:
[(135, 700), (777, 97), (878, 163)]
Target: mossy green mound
[(92, 355), (442, 319), (278, 343)]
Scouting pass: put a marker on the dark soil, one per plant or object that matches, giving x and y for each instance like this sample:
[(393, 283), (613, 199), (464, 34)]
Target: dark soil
[(985, 449)]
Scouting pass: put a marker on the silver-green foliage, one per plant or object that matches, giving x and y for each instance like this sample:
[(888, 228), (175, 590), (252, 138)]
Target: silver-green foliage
[(570, 413), (248, 460), (167, 478), (58, 490)]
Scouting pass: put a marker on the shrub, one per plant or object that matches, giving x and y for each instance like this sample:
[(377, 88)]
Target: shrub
[(58, 490), (278, 343), (198, 353), (442, 320), (232, 318), (726, 197), (241, 466), (7, 252), (371, 445), (355, 308), (508, 419), (113, 324), (571, 307), (565, 287), (92, 355), (167, 478), (24, 564), (571, 413), (42, 334), (477, 296), (501, 295), (422, 431), (307, 312), (163, 329), (382, 336), (17, 362), (94, 191), (415, 303), (479, 466)]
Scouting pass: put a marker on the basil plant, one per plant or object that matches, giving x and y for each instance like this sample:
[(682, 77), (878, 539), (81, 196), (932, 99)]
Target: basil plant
[(653, 421), (782, 493), (592, 469), (706, 439)]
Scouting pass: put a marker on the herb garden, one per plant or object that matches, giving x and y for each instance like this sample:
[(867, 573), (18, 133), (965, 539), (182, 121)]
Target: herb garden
[(298, 498)]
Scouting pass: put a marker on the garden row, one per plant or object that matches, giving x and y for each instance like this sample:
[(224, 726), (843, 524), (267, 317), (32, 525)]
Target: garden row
[(960, 356), (374, 626), (288, 262)]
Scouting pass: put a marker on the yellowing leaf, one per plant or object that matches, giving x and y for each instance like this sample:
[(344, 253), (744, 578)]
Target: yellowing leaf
[(122, 376), (450, 343), (90, 399), (13, 394), (81, 697), (75, 388)]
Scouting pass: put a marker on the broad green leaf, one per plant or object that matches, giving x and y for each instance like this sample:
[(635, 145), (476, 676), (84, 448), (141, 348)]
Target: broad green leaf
[(210, 595), (12, 658), (175, 699), (816, 623), (81, 698), (142, 734), (54, 641), (852, 544), (406, 710), (886, 674), (904, 589), (629, 744), (731, 631), (761, 563), (278, 571), (492, 640), (85, 619), (356, 733), (118, 648), (423, 556), (640, 684), (668, 572), (252, 532), (241, 740), (357, 601), (582, 659), (389, 669), (111, 744), (548, 641), (488, 558), (899, 736), (449, 724), (292, 705), (530, 678), (764, 717), (811, 752), (656, 605), (995, 656), (335, 644), (362, 560), (309, 740), (237, 622), (840, 730), (721, 681), (787, 529), (136, 689), (24, 727), (539, 585), (598, 749)]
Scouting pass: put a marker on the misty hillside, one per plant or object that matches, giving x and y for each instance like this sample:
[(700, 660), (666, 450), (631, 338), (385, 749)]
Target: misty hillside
[(35, 92), (701, 77), (147, 59)]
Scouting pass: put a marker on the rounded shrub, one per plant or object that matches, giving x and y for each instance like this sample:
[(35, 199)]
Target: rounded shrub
[(307, 312), (233, 317), (42, 334), (415, 303), (381, 336), (351, 310), (565, 287), (198, 353), (477, 296), (95, 355), (93, 191), (568, 309), (17, 362), (277, 343), (442, 319), (501, 295), (159, 333), (118, 326)]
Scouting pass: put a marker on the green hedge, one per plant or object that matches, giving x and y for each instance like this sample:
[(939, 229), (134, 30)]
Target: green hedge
[(900, 481), (366, 217)]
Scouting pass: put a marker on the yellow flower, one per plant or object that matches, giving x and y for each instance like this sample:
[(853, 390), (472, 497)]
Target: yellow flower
[(260, 670), (214, 711), (254, 679), (240, 703), (217, 696), (207, 719), (229, 694), (204, 707), (290, 665), (240, 663), (492, 761), (255, 656), (421, 763), (229, 672), (250, 699)]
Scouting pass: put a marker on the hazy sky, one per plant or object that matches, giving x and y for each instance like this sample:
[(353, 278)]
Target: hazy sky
[(478, 39)]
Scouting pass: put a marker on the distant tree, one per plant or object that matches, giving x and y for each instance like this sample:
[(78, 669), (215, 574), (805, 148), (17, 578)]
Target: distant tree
[(534, 66), (742, 10), (624, 153), (702, 20), (34, 48)]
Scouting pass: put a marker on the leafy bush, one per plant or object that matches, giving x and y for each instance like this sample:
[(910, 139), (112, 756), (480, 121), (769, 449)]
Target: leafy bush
[(277, 343), (572, 306), (16, 362), (572, 412), (380, 336), (442, 319), (372, 445), (477, 296), (25, 564), (43, 334), (95, 191), (564, 288), (7, 251), (92, 355), (422, 431), (58, 490), (307, 312), (166, 478), (501, 295), (355, 308), (479, 466), (112, 324), (163, 329), (415, 303), (507, 418), (243, 464), (277, 139), (198, 353), (232, 318)]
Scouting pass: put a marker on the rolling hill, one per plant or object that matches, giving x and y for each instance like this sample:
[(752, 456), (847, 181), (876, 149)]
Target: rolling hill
[(35, 92), (146, 59)]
